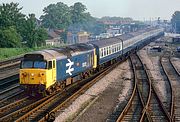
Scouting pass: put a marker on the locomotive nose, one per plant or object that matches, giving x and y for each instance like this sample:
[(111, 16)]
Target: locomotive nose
[(32, 77)]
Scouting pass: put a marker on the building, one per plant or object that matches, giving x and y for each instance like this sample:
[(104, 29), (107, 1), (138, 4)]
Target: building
[(175, 37), (79, 37), (115, 20), (54, 38), (83, 37), (113, 31), (53, 42)]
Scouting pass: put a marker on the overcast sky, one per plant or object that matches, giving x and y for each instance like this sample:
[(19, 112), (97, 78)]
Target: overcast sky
[(137, 9)]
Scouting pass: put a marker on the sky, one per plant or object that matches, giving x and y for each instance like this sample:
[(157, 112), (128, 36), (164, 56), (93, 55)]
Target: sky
[(136, 9)]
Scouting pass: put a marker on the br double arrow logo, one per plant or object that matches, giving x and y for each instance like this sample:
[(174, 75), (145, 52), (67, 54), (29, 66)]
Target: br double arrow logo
[(69, 65)]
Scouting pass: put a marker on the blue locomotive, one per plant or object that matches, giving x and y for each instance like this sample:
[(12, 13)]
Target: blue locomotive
[(48, 70)]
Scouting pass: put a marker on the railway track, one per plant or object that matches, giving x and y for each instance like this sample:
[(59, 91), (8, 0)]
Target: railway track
[(12, 98), (10, 61), (9, 68), (11, 107), (9, 91), (9, 86), (8, 81), (9, 71), (152, 108), (174, 77), (134, 108), (25, 109), (176, 69)]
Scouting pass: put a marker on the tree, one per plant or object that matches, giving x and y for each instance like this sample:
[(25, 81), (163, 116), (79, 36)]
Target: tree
[(15, 27), (41, 35), (82, 20), (33, 35), (9, 37), (10, 24), (176, 21), (10, 15), (78, 14), (56, 16)]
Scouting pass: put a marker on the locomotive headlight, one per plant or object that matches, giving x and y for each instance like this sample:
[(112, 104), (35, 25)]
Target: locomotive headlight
[(32, 74)]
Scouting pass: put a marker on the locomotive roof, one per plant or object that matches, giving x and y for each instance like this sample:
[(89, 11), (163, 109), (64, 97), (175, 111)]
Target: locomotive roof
[(74, 49), (41, 55), (118, 39), (59, 52)]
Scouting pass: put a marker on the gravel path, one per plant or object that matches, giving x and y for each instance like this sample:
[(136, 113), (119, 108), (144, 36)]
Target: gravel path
[(102, 97)]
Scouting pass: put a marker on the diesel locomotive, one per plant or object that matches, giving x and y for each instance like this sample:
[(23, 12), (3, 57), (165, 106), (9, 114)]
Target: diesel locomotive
[(43, 72)]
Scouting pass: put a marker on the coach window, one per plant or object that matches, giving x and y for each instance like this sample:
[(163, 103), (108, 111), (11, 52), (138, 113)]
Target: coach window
[(104, 51), (50, 65), (109, 49), (101, 53), (113, 48)]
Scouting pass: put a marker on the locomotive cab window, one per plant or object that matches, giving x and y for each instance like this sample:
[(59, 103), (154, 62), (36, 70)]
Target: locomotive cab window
[(53, 64), (40, 64), (26, 64), (50, 65)]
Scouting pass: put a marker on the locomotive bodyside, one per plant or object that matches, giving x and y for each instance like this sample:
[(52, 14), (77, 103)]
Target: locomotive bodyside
[(75, 64)]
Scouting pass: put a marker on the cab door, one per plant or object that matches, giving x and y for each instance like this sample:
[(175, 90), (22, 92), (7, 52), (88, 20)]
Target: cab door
[(54, 70), (51, 73)]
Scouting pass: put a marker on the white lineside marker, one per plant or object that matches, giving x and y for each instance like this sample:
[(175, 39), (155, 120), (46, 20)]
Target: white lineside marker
[(69, 65)]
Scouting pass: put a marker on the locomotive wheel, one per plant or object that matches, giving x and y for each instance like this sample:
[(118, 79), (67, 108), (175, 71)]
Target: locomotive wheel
[(44, 94), (63, 85), (49, 91)]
